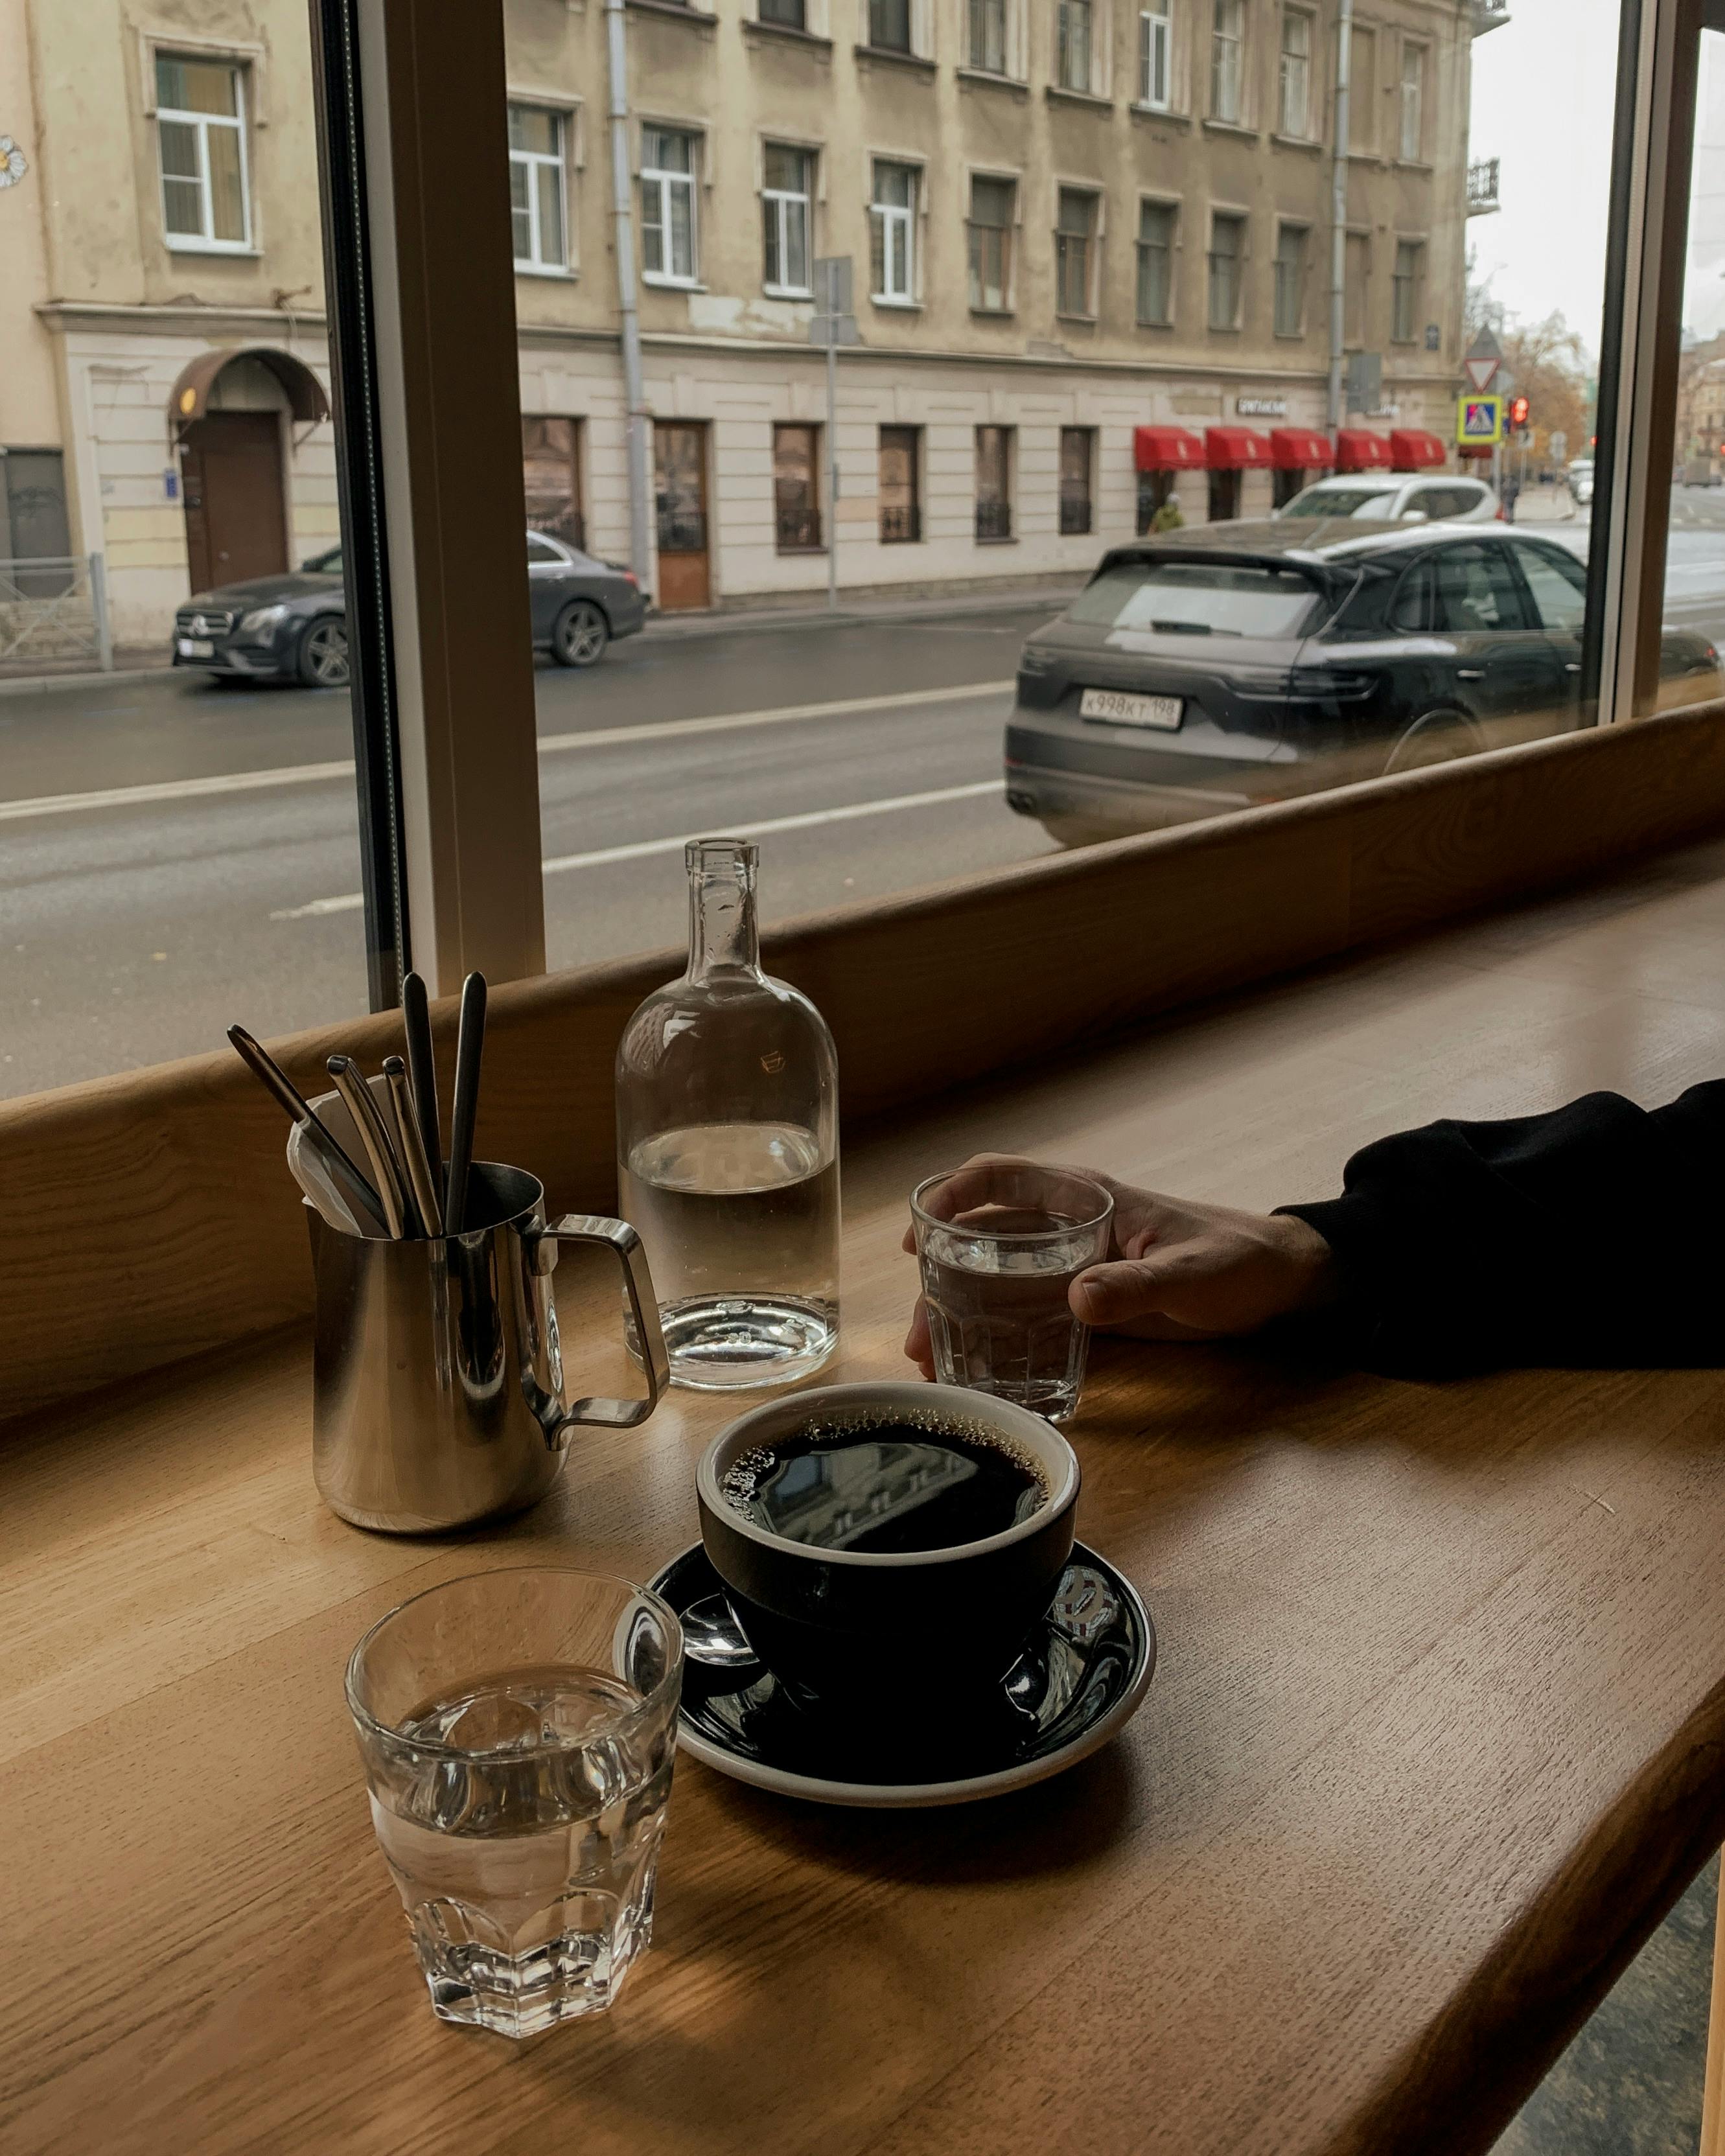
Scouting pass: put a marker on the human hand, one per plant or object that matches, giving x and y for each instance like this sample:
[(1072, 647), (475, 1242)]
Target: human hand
[(1176, 1269)]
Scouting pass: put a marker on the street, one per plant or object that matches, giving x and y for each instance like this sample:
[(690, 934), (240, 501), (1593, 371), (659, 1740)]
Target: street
[(221, 883)]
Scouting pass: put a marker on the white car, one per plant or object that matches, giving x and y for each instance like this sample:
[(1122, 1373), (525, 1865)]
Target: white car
[(1579, 473), (1391, 497)]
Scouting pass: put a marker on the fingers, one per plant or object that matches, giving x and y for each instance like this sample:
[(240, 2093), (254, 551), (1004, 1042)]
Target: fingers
[(918, 1346), (979, 1182), (1119, 1293)]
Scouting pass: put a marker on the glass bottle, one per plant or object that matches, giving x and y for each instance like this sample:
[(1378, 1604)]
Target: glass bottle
[(727, 1148)]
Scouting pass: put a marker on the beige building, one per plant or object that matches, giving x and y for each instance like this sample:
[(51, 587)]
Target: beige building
[(1091, 242)]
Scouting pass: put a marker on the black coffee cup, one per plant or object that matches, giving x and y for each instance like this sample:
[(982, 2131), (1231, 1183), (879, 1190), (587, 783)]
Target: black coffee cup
[(942, 1625)]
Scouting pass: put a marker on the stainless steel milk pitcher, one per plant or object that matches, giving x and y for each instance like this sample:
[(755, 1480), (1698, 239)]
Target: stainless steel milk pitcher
[(437, 1376)]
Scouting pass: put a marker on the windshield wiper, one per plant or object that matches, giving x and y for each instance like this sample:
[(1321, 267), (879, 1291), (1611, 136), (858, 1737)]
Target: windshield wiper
[(1190, 628)]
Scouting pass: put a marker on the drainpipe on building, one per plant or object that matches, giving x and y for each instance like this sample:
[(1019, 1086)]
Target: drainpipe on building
[(622, 226), (1338, 210)]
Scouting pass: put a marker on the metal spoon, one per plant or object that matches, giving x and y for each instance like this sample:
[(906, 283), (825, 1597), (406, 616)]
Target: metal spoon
[(712, 1635)]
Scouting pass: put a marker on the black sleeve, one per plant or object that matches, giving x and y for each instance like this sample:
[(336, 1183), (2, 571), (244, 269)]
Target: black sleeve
[(1590, 1237)]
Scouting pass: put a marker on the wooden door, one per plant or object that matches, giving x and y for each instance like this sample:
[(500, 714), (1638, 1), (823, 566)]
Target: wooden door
[(679, 486), (236, 511)]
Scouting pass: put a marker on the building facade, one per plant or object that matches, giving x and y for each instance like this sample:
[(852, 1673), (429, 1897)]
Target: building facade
[(1091, 246)]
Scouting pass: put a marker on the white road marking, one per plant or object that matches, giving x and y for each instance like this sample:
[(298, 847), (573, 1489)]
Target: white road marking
[(312, 774), (745, 827)]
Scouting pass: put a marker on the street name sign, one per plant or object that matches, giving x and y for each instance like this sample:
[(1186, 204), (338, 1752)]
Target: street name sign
[(1479, 421)]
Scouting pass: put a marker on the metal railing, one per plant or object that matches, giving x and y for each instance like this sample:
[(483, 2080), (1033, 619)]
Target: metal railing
[(54, 607), (901, 522), (993, 520), (1482, 186)]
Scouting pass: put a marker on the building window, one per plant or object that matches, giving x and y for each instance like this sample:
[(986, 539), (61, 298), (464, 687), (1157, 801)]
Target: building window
[(1075, 235), (1356, 273), (1404, 297), (1290, 281), (200, 129), (1155, 55), (1225, 496), (987, 43), (785, 217), (1227, 59), (892, 233), (1156, 263), (900, 485), (668, 250), (796, 488), (889, 25), (1285, 481), (536, 183), (1363, 99), (1077, 460), (1156, 491), (991, 214), (1072, 44), (1413, 134), (788, 14), (551, 467), (1227, 247), (1296, 81), (993, 482)]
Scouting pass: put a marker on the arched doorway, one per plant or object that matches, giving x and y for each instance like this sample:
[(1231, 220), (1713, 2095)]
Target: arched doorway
[(228, 410)]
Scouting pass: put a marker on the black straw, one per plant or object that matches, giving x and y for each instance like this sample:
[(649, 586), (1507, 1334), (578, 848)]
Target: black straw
[(422, 1073)]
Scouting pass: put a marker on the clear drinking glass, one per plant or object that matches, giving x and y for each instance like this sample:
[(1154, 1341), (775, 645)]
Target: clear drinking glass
[(517, 1728), (999, 1245), (727, 1148)]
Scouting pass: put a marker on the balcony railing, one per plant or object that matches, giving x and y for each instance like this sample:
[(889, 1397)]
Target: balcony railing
[(993, 520), (901, 524), (1482, 187), (1485, 15)]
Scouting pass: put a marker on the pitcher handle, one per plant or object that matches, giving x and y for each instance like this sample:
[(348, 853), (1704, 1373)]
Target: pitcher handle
[(617, 1236)]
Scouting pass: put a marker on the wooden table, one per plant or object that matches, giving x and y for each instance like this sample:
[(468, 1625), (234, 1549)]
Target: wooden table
[(1436, 1737)]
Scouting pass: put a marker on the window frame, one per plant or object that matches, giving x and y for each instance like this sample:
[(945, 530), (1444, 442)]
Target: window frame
[(663, 179), (779, 218), (239, 122), (1160, 202), (1090, 265), (1068, 75), (914, 536), (908, 50), (1406, 288), (884, 218), (1222, 43), (1007, 438), (1415, 49), (562, 119), (979, 10), (1156, 55), (1072, 530), (1303, 268), (1014, 183), (1284, 54), (812, 429), (1240, 221)]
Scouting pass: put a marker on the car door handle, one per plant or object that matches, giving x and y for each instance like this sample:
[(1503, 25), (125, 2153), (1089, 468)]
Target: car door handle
[(1470, 673), (1572, 666)]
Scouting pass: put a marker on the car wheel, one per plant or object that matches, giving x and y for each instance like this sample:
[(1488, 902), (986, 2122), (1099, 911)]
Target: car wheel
[(321, 661), (580, 634), (1436, 737)]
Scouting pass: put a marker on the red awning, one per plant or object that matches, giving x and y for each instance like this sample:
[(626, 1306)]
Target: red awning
[(1234, 448), (1357, 449), (1297, 448), (1410, 450), (1166, 449)]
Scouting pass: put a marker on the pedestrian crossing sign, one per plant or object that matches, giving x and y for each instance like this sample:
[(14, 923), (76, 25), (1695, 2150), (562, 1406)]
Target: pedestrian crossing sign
[(1479, 421)]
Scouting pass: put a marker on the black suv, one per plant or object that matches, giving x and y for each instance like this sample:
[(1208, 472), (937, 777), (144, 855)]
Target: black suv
[(1245, 663)]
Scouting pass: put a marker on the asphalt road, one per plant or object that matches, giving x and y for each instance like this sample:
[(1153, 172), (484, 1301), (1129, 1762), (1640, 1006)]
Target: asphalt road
[(136, 929)]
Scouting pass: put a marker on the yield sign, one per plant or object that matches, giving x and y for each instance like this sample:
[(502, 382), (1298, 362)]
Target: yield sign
[(1482, 359)]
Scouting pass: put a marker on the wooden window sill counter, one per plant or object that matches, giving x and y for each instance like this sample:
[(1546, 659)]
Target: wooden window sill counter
[(1433, 1741)]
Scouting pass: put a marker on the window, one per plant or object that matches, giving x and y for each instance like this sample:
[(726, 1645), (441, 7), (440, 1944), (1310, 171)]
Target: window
[(1460, 591), (1559, 583), (788, 14), (200, 131), (1405, 291), (1290, 281), (889, 25), (1077, 460), (1156, 263), (892, 233), (900, 485), (1295, 110), (668, 249), (1412, 112), (1223, 490), (1227, 247), (1362, 94), (1074, 232), (796, 488), (1356, 276), (1209, 599), (986, 44), (1155, 55), (994, 482), (1073, 29), (537, 184), (992, 204), (550, 466), (1227, 60), (1156, 491), (787, 175)]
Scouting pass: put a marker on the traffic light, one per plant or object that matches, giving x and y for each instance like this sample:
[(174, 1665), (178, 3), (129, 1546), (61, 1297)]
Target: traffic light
[(1519, 408)]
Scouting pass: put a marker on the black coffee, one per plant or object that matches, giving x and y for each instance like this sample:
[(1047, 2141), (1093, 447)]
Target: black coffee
[(894, 1483)]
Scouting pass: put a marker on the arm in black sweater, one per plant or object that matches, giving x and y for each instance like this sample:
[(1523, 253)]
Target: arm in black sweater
[(1594, 1236)]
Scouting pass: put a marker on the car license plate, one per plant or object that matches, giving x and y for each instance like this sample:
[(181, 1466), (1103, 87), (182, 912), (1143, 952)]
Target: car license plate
[(1120, 710), (197, 647)]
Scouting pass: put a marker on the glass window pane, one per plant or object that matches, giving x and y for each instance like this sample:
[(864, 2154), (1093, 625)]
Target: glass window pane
[(183, 207), (226, 183), (179, 159), (550, 180), (188, 86), (682, 262)]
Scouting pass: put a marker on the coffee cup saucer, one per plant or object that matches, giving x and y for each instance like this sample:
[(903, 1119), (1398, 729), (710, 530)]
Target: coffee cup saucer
[(1083, 1674)]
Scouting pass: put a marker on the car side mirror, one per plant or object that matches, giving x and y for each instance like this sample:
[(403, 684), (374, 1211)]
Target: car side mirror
[(1413, 517)]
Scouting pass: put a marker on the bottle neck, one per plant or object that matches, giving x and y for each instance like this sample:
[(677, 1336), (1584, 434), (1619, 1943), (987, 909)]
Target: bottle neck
[(723, 937)]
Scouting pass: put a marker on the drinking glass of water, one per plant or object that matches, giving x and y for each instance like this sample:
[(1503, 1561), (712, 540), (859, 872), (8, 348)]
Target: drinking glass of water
[(999, 1245), (518, 1729)]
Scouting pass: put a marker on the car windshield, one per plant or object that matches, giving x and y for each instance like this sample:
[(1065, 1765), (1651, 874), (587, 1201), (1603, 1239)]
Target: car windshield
[(1339, 501), (1196, 598)]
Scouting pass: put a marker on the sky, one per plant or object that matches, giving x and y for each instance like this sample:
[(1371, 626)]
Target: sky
[(1704, 285)]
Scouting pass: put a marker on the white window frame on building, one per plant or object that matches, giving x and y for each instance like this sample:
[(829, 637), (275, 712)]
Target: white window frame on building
[(1160, 206), (660, 184), (1156, 56), (988, 37), (1077, 251), (204, 241), (894, 256), (1227, 62), (1293, 84), (1013, 183), (1405, 281), (1410, 117), (1077, 32), (540, 168), (783, 210), (1239, 221), (1289, 314)]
